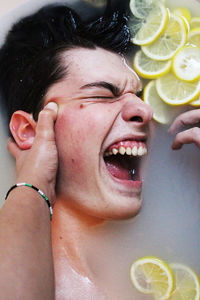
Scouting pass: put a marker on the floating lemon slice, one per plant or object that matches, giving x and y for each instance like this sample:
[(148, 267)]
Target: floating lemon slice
[(149, 68), (185, 14), (195, 22), (194, 37), (175, 91), (162, 113), (187, 284), (186, 63), (173, 38), (140, 8), (150, 27), (196, 102), (151, 275)]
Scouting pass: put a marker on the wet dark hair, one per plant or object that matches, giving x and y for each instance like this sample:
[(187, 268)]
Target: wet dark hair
[(30, 59)]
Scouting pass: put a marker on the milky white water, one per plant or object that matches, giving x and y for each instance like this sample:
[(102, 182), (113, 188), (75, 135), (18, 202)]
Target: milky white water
[(168, 225)]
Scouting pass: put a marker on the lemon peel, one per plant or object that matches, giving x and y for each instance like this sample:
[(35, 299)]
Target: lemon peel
[(194, 37), (151, 275), (185, 14), (175, 91), (186, 63), (195, 22), (187, 284), (162, 113), (141, 8), (145, 31), (149, 68), (172, 39), (195, 102)]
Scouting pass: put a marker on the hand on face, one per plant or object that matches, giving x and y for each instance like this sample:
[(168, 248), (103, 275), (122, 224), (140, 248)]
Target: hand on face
[(38, 165), (192, 135)]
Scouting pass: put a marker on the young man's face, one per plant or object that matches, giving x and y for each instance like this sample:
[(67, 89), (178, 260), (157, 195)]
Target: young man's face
[(99, 112)]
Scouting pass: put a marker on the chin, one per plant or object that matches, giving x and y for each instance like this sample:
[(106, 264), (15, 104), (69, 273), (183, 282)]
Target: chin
[(122, 209)]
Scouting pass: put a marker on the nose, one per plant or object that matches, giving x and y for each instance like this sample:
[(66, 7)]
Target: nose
[(135, 110)]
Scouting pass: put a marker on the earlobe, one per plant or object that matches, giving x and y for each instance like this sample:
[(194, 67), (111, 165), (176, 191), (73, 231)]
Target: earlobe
[(22, 127)]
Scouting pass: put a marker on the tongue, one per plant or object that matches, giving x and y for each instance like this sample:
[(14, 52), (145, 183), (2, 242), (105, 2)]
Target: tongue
[(119, 168)]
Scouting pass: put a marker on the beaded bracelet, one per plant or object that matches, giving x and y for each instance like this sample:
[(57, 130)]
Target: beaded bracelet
[(37, 190)]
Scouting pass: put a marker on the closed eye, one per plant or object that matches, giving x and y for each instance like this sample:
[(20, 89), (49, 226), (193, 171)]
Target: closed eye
[(100, 97), (103, 99)]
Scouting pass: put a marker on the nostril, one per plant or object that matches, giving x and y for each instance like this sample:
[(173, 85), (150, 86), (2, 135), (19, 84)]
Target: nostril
[(137, 119)]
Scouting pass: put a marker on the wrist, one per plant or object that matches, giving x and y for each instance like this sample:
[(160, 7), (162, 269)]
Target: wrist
[(37, 190), (42, 185)]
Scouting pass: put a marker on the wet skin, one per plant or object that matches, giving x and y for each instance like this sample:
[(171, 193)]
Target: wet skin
[(98, 107), (98, 113)]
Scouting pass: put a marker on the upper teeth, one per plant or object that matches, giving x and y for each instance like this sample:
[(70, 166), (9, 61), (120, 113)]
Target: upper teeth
[(135, 151)]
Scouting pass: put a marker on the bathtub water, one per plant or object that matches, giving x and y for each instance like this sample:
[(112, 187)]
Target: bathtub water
[(168, 225), (7, 172)]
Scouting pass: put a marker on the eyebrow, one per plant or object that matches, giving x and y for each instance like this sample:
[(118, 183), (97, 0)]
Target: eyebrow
[(103, 84)]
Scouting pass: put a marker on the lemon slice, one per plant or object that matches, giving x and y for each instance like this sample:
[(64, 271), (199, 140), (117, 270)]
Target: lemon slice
[(195, 102), (185, 14), (151, 27), (151, 275), (186, 63), (140, 8), (194, 37), (149, 68), (175, 91), (187, 284), (162, 113), (195, 22), (173, 38)]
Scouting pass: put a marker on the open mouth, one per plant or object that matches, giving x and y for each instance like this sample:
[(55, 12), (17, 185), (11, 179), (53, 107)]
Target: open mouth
[(123, 159)]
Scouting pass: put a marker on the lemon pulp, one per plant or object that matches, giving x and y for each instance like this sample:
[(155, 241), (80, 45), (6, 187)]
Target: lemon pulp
[(173, 38), (162, 113), (151, 275), (146, 30), (187, 285), (186, 63), (175, 91), (149, 68)]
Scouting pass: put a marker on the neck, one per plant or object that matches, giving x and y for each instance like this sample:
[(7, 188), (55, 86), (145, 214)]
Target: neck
[(71, 232)]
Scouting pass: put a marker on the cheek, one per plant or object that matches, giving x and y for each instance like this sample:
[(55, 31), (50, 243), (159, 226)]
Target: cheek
[(77, 136), (78, 123)]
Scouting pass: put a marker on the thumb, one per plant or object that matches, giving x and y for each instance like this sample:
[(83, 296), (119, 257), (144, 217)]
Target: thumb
[(46, 120)]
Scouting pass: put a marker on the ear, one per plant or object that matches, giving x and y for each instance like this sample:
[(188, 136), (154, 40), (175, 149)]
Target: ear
[(22, 127)]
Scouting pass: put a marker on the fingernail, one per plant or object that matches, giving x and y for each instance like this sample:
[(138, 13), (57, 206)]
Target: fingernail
[(52, 106)]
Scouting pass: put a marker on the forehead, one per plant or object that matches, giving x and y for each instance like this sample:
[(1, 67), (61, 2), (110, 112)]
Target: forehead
[(87, 65)]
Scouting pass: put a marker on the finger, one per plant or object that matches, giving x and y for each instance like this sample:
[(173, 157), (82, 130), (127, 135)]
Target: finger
[(187, 137), (46, 120), (13, 148), (188, 118)]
